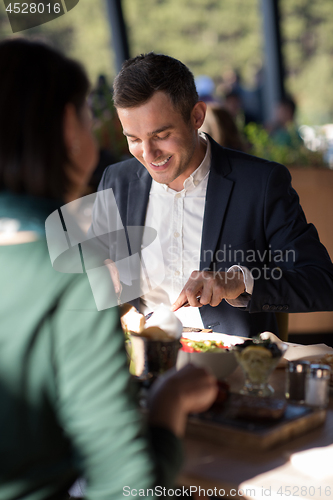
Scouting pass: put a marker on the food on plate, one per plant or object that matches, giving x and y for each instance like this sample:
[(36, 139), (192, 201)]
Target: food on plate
[(324, 359), (257, 358), (327, 359), (131, 319), (163, 324), (167, 320), (189, 345), (254, 408), (208, 351), (155, 333), (188, 329), (152, 344)]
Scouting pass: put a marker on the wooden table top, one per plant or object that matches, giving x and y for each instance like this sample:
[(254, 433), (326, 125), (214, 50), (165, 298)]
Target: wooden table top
[(211, 465)]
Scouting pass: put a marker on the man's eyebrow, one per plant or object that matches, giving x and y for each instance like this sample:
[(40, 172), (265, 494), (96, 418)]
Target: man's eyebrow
[(159, 130), (154, 132)]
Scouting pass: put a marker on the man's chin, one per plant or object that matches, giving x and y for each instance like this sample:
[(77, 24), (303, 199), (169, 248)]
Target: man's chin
[(162, 177)]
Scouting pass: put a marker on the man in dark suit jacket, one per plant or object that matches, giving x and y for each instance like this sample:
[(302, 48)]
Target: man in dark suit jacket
[(251, 217)]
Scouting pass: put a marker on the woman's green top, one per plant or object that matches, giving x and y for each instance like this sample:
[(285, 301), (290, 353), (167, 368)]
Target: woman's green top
[(66, 407)]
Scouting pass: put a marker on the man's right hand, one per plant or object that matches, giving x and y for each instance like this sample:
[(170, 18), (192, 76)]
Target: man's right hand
[(208, 287)]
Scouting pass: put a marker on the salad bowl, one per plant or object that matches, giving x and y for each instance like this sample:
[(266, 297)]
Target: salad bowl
[(210, 350)]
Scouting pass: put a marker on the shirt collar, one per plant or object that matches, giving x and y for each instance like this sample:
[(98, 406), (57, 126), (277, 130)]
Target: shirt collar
[(197, 176)]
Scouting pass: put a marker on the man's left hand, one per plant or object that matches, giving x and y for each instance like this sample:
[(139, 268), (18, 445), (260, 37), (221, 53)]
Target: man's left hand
[(208, 287)]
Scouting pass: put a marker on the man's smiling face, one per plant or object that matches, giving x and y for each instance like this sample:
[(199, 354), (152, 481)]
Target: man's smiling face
[(162, 141)]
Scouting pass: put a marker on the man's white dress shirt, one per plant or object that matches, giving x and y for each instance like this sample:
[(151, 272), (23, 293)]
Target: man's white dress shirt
[(178, 219)]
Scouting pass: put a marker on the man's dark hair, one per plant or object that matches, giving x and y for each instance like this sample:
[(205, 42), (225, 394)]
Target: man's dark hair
[(36, 84), (142, 76)]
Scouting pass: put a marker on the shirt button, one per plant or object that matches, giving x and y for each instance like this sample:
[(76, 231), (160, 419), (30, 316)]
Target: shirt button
[(176, 235), (178, 195), (177, 273)]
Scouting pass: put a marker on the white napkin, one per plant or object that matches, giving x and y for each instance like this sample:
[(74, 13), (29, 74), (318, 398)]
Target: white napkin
[(296, 351), (316, 462)]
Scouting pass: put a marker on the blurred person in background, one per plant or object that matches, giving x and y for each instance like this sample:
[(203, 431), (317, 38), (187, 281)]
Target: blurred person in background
[(219, 124), (283, 130), (245, 104), (67, 409), (233, 104), (101, 96)]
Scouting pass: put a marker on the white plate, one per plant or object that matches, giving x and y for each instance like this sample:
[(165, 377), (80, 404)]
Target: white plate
[(228, 340), (221, 363)]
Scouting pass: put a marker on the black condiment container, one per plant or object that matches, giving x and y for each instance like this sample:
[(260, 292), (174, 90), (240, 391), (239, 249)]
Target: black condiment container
[(296, 373), (151, 358)]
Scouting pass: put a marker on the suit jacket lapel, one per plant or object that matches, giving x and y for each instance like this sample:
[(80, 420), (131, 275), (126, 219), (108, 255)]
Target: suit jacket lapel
[(137, 201), (219, 189)]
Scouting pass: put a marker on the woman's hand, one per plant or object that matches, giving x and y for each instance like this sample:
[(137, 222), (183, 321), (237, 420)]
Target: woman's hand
[(178, 393)]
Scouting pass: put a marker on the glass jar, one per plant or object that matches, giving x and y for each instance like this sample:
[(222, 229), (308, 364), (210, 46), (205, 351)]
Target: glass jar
[(317, 386), (296, 373)]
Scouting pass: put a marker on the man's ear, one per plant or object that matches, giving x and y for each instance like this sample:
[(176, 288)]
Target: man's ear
[(198, 114)]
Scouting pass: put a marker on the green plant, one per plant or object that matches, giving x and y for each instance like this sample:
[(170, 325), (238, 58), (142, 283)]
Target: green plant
[(293, 154)]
